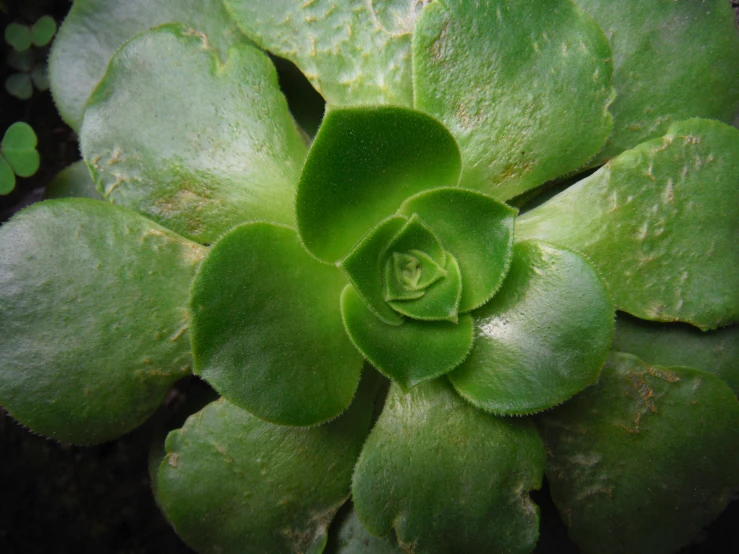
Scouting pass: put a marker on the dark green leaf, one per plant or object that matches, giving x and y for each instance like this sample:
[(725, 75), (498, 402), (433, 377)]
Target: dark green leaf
[(232, 483), (267, 331), (73, 182), (363, 266), (19, 85), (448, 477), (671, 60), (18, 36), (409, 353), (641, 462), (347, 535), (678, 344), (542, 338), (43, 30), (352, 52), (661, 223), (523, 86), (94, 322), (198, 145), (76, 65), (476, 229), (20, 61), (363, 163)]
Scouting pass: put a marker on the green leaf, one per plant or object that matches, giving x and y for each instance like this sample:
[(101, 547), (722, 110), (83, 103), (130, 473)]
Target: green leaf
[(43, 30), (75, 67), (438, 302), (19, 85), (682, 64), (660, 222), (641, 462), (409, 353), (73, 181), (266, 328), (20, 61), (19, 148), (408, 274), (363, 163), (94, 322), (18, 36), (7, 177), (678, 344), (448, 477), (197, 145), (476, 229), (232, 483), (348, 536), (524, 88), (353, 53), (364, 268), (40, 76), (542, 338)]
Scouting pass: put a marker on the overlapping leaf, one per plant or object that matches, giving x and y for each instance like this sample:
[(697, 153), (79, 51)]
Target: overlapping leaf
[(94, 322), (542, 338), (363, 164), (523, 86), (448, 477), (197, 144), (232, 483), (353, 52), (642, 461), (267, 331), (661, 223), (94, 29), (671, 60), (678, 344)]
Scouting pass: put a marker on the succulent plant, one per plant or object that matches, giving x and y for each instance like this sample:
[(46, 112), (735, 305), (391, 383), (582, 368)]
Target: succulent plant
[(415, 308)]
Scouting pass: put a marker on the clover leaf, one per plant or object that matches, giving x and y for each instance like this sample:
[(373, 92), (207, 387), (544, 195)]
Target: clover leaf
[(19, 155)]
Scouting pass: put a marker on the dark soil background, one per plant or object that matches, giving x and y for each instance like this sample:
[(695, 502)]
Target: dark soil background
[(61, 498)]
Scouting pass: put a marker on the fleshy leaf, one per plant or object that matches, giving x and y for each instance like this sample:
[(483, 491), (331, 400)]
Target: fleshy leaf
[(476, 229), (18, 36), (73, 181), (409, 353), (353, 52), (542, 338), (661, 223), (656, 65), (232, 483), (197, 145), (363, 267), (20, 61), (75, 67), (43, 30), (19, 149), (405, 273), (438, 302), (7, 177), (448, 477), (679, 344), (94, 322), (363, 163), (524, 88), (267, 331), (348, 536), (642, 461)]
